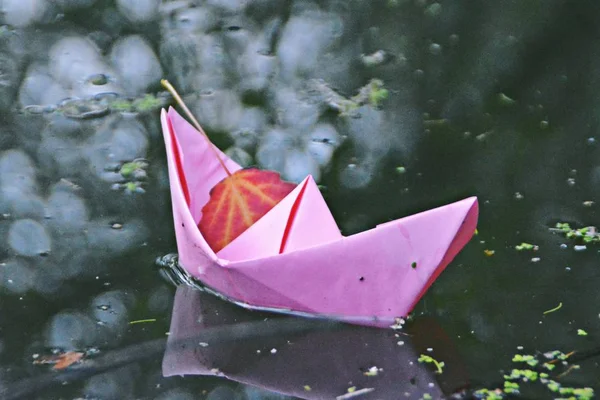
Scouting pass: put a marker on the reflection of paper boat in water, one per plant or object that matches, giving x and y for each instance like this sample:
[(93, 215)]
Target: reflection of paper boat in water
[(313, 365), (368, 278)]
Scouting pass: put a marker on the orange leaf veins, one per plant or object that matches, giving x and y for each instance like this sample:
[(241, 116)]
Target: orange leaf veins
[(237, 202)]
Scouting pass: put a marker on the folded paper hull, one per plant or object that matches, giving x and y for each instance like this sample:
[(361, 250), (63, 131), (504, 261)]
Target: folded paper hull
[(368, 278)]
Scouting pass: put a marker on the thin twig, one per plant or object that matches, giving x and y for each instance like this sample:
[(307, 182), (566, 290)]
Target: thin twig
[(167, 85)]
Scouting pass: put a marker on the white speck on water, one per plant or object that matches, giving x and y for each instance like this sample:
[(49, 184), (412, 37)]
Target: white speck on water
[(519, 347), (435, 48), (581, 247), (273, 351), (430, 349), (567, 268), (401, 343), (535, 259), (563, 246)]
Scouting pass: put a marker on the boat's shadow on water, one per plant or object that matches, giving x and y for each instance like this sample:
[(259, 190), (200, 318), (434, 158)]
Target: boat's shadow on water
[(318, 364)]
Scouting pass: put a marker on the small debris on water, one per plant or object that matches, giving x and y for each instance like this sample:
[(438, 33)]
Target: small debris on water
[(373, 371), (398, 323), (504, 100), (352, 393), (526, 246), (558, 307), (580, 247)]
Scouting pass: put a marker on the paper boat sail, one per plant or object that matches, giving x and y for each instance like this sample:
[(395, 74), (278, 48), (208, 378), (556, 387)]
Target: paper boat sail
[(313, 365), (368, 278)]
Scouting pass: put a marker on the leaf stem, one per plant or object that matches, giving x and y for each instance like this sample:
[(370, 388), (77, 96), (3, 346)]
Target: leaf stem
[(167, 85)]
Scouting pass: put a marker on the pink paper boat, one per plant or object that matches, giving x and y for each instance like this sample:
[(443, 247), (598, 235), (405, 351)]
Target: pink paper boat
[(370, 278)]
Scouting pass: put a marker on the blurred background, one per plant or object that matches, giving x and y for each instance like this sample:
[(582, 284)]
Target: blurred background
[(394, 106)]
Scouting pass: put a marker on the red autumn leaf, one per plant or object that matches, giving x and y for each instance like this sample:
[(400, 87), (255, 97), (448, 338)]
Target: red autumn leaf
[(62, 360), (237, 202)]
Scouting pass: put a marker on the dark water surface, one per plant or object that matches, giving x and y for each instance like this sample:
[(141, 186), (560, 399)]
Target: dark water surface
[(497, 99)]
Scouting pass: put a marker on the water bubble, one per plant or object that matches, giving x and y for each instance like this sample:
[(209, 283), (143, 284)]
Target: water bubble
[(70, 331), (21, 13), (66, 210), (435, 49), (229, 6), (105, 240), (295, 112), (271, 153), (137, 65), (139, 10), (111, 310), (113, 385), (251, 124), (121, 139), (323, 141), (220, 111), (72, 59), (38, 87), (28, 238), (298, 165), (16, 276), (189, 19), (17, 170), (306, 40)]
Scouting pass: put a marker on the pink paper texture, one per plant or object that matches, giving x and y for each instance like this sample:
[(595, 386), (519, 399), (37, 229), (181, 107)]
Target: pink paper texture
[(367, 278)]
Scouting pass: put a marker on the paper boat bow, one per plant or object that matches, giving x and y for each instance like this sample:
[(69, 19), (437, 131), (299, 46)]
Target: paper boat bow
[(368, 278)]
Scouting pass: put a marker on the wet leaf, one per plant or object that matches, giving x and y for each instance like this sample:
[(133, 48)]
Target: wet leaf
[(237, 202), (61, 360)]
